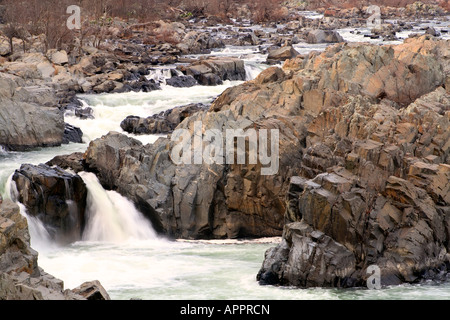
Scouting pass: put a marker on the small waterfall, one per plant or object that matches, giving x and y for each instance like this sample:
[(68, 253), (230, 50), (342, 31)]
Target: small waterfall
[(39, 237), (11, 189), (160, 75), (252, 71), (111, 217)]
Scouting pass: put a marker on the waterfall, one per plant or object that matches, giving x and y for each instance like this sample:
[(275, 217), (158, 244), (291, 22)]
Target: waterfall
[(252, 71), (160, 75), (111, 217), (39, 236)]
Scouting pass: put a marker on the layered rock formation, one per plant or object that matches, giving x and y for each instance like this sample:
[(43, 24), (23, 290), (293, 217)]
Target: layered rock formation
[(20, 276)]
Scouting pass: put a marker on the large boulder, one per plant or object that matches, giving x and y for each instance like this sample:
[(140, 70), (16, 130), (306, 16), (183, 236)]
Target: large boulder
[(55, 197), (24, 123), (215, 70), (281, 54), (323, 36)]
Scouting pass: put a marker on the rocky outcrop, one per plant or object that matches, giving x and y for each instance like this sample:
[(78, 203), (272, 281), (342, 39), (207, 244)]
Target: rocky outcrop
[(92, 290), (215, 70), (25, 120), (162, 123), (374, 183), (347, 144), (72, 161), (72, 134), (20, 276), (55, 197), (281, 54)]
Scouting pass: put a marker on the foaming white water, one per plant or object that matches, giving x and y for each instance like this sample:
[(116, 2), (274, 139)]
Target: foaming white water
[(109, 110), (111, 217), (252, 71), (39, 237)]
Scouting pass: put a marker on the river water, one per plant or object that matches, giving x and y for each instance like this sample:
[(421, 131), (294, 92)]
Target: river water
[(120, 248)]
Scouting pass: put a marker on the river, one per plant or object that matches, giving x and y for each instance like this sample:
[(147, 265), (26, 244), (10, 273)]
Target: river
[(119, 247)]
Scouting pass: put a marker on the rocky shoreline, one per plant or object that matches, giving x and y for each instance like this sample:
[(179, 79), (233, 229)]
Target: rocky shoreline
[(364, 148)]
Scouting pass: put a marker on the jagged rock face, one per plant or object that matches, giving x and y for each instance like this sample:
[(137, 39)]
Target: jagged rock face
[(55, 197), (374, 184)]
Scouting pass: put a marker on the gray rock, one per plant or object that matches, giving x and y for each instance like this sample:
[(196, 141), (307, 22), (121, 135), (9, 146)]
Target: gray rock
[(181, 81), (55, 197), (92, 290), (323, 36), (281, 54), (25, 125), (72, 134), (162, 123)]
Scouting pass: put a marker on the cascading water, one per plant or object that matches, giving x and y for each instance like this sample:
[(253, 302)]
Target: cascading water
[(160, 75), (111, 217), (39, 236)]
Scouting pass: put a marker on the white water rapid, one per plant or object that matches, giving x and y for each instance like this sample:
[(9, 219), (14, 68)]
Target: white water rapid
[(111, 217)]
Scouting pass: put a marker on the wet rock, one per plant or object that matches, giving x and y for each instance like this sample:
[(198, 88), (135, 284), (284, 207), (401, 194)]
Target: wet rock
[(72, 134), (181, 81), (432, 31), (281, 54), (92, 290), (162, 123), (20, 276), (55, 197), (72, 161), (213, 71), (323, 36), (84, 113)]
